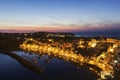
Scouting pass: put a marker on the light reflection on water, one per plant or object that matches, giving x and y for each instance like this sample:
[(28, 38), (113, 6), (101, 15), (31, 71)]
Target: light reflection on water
[(54, 69)]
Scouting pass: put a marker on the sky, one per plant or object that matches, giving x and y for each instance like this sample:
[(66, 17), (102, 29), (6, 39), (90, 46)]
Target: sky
[(59, 15)]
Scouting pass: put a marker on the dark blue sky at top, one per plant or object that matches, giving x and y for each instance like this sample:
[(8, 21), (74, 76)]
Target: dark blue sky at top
[(60, 13)]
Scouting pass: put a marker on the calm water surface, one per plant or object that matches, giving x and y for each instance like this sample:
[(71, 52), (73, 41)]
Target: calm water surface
[(54, 69)]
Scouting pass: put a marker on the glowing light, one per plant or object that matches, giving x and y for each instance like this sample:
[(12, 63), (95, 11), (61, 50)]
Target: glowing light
[(93, 45), (115, 61), (59, 50), (115, 45)]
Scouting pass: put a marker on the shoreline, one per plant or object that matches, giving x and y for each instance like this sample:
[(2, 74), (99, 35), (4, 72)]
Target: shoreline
[(24, 62)]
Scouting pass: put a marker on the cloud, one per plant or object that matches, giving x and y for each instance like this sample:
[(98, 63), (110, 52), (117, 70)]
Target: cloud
[(55, 18), (111, 26)]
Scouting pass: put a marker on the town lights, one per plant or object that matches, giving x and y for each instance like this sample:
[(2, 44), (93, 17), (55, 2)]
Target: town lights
[(110, 49), (115, 61), (93, 45), (31, 39), (66, 51), (50, 40), (115, 45)]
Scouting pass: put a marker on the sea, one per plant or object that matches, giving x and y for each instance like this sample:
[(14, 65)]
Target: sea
[(96, 34)]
